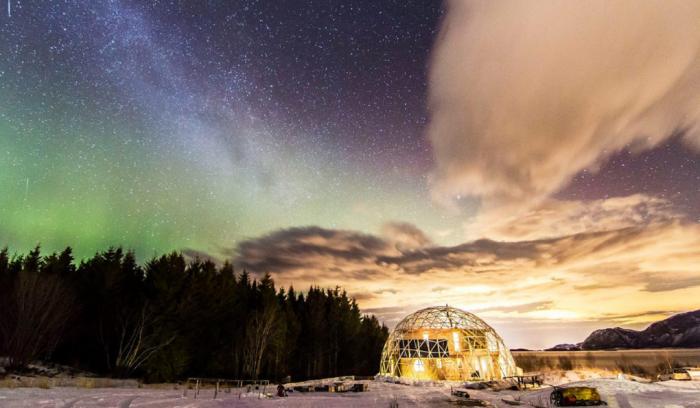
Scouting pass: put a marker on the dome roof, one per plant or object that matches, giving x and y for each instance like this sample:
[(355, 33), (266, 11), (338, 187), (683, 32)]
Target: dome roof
[(445, 343), (442, 317)]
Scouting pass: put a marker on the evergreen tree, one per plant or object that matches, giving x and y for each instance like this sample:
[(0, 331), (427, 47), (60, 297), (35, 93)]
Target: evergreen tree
[(175, 318)]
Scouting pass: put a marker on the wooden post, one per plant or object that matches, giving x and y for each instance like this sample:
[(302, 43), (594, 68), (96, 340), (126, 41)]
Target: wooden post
[(216, 390), (196, 389)]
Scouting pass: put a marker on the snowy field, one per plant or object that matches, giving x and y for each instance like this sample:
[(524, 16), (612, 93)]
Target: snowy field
[(617, 392)]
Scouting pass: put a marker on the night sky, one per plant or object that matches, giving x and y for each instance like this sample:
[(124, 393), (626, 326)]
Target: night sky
[(192, 124), (294, 137)]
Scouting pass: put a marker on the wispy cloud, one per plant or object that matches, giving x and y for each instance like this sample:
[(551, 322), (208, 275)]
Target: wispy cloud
[(579, 277), (555, 218), (405, 236), (661, 283), (522, 308), (524, 95)]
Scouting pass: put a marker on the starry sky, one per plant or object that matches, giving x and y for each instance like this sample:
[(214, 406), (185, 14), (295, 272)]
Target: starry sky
[(193, 124), (406, 150)]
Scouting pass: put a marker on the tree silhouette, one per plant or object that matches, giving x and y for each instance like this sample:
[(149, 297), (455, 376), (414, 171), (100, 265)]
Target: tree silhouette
[(173, 318)]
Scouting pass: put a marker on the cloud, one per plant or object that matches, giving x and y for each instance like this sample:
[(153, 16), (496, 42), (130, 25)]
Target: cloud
[(661, 283), (596, 286), (317, 253), (642, 317), (405, 236), (607, 261), (523, 95), (555, 218), (363, 296), (193, 254), (482, 256), (382, 291), (314, 254), (392, 315), (578, 276), (521, 308)]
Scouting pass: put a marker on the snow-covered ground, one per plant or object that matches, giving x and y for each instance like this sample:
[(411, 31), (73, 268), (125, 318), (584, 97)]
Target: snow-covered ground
[(617, 392), (630, 394)]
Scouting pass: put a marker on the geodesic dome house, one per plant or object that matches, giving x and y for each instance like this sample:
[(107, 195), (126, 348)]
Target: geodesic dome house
[(444, 343)]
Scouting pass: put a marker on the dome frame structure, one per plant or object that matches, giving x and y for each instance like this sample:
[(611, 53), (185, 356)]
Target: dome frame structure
[(445, 343)]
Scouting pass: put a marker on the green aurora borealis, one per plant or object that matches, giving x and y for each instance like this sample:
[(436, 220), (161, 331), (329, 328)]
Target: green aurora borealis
[(94, 191), (115, 132)]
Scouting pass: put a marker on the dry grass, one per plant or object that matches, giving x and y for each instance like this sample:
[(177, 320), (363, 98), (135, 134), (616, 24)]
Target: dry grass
[(644, 363), (78, 382), (163, 386), (7, 383)]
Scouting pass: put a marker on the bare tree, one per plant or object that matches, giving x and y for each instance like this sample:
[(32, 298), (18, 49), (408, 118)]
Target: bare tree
[(136, 343), (258, 332), (34, 317)]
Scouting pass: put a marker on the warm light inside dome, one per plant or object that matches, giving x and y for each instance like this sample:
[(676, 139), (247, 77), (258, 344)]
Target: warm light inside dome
[(444, 343), (418, 366)]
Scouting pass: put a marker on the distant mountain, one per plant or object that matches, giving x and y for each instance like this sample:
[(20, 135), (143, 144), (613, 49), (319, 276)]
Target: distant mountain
[(681, 330), (565, 347)]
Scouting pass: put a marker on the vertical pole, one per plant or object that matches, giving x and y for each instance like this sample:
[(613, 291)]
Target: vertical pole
[(216, 390), (196, 389)]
